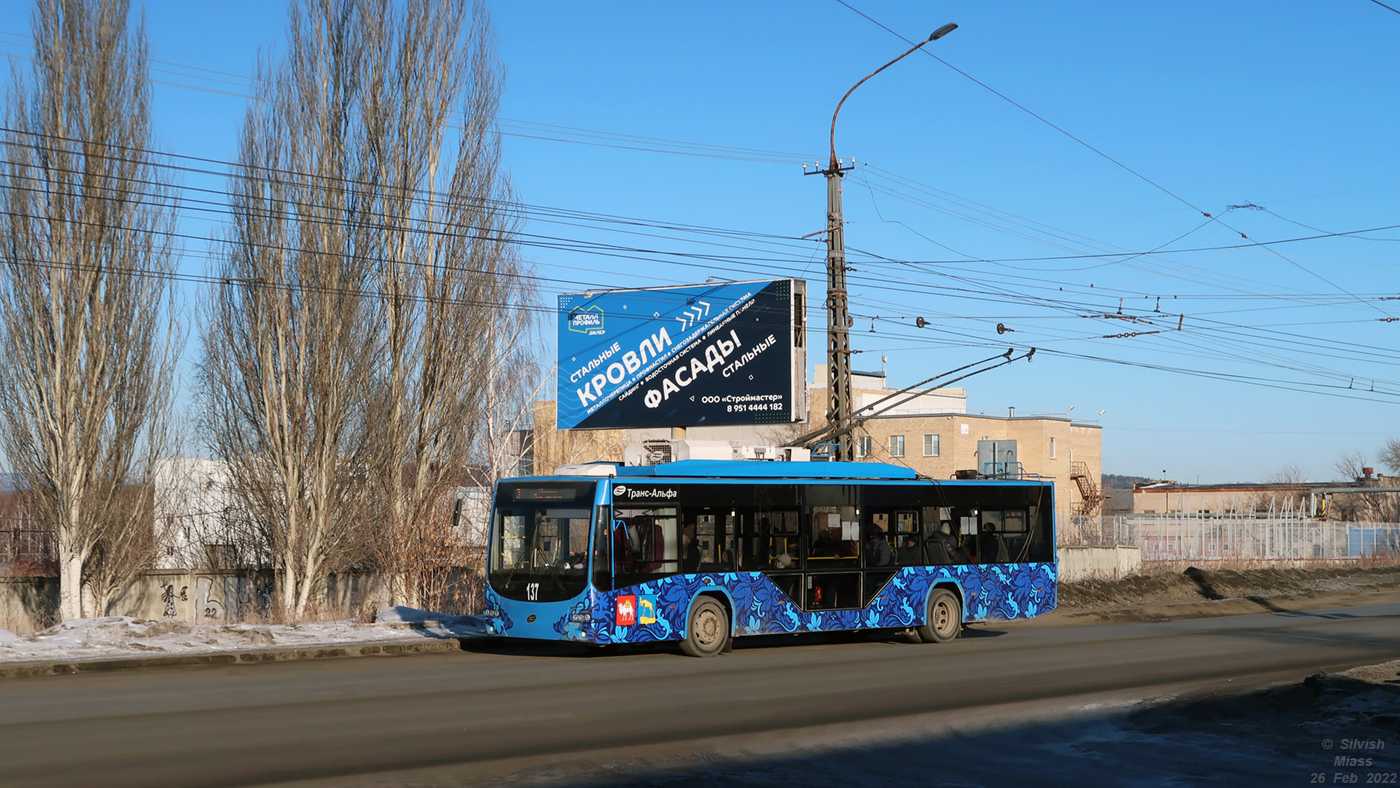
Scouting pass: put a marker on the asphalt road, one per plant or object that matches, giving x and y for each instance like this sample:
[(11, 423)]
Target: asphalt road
[(506, 715)]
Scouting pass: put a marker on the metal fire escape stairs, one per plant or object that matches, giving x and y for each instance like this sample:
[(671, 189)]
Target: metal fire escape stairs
[(1090, 496)]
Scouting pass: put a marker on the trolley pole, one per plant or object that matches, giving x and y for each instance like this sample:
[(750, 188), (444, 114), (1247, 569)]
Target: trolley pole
[(838, 316)]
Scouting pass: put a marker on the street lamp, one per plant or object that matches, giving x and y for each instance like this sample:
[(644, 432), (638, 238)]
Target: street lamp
[(838, 318), (934, 36)]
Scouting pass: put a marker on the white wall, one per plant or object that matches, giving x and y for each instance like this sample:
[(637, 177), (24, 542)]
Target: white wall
[(191, 501), (1098, 563)]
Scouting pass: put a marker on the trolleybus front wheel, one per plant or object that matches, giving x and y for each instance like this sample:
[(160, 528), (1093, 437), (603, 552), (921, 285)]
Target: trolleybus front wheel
[(707, 633)]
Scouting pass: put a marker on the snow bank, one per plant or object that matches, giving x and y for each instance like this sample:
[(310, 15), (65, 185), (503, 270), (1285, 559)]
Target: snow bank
[(435, 623), (113, 637)]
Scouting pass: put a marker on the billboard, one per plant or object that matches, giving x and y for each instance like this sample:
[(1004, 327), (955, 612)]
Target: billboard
[(696, 355)]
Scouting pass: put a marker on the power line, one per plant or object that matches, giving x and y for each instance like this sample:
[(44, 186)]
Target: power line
[(749, 152), (1392, 9), (594, 284), (245, 171), (1101, 153), (1065, 305), (1035, 300), (1146, 252), (1075, 239), (1032, 113), (1290, 385)]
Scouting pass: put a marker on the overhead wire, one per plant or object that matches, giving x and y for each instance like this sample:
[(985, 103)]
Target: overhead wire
[(1101, 153), (571, 240)]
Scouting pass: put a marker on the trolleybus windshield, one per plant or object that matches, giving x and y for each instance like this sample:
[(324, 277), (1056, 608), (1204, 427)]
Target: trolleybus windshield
[(539, 544)]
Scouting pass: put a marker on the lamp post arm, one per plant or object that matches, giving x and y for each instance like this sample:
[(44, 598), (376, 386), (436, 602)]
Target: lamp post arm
[(937, 34)]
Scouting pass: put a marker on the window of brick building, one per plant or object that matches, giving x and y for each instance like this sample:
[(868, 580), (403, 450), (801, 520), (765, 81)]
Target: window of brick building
[(931, 445), (896, 445)]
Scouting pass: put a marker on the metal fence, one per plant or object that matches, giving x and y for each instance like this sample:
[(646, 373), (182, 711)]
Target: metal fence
[(1082, 530), (1225, 538)]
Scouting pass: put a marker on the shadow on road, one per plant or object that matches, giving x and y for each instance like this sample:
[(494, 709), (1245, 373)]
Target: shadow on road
[(1206, 588), (548, 648), (1280, 736), (530, 648), (1272, 607)]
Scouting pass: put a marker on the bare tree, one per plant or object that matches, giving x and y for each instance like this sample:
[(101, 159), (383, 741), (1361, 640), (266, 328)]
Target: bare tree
[(87, 335), (1349, 466), (1288, 474), (290, 339), (451, 324), (1375, 506), (1390, 455)]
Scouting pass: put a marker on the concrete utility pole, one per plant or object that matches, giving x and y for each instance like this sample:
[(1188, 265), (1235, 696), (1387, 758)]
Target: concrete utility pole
[(838, 316)]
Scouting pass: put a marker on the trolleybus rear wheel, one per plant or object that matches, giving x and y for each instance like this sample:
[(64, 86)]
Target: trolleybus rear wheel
[(707, 632), (944, 617)]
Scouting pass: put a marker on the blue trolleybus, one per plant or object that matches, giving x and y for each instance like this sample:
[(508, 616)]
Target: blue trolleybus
[(703, 551)]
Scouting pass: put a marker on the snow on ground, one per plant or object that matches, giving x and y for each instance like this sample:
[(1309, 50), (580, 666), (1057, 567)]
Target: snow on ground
[(121, 636)]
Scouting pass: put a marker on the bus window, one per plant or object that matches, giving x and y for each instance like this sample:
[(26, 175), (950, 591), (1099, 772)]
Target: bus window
[(602, 554), (873, 582), (691, 547), (942, 544), (707, 540), (1016, 534), (880, 541), (833, 591), (790, 584), (991, 543), (770, 541), (833, 537), (906, 523), (650, 548), (1042, 546), (539, 541)]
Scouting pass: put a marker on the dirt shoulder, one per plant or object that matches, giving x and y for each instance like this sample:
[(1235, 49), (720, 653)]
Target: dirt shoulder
[(1194, 593)]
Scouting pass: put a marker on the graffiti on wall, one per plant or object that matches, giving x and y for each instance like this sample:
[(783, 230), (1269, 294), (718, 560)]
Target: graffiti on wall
[(168, 597), (209, 605)]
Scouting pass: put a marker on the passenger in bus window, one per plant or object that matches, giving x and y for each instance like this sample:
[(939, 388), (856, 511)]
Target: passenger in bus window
[(690, 549), (950, 543), (992, 547), (877, 550), (909, 552), (782, 560)]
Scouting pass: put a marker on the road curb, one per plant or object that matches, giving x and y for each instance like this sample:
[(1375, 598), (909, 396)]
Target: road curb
[(374, 648)]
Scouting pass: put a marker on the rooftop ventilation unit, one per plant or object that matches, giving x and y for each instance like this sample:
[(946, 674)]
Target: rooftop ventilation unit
[(657, 452)]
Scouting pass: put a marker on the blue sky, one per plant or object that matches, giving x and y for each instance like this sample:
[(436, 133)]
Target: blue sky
[(1288, 106)]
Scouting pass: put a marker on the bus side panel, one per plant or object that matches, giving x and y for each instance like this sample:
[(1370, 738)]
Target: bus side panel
[(658, 610)]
